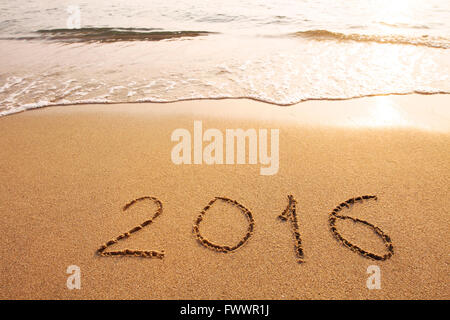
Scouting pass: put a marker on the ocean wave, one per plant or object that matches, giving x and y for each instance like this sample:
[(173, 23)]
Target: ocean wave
[(94, 34), (404, 25), (279, 70), (44, 103), (425, 40)]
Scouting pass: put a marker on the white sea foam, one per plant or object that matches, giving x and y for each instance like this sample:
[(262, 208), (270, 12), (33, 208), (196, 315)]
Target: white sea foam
[(281, 52)]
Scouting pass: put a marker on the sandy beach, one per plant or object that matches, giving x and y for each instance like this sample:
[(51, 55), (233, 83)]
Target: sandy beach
[(67, 172)]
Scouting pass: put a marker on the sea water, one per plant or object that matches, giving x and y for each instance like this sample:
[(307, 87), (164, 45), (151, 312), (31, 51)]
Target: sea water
[(279, 51)]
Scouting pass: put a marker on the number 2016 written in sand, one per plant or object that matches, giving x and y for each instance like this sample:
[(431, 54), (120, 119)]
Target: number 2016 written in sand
[(289, 215)]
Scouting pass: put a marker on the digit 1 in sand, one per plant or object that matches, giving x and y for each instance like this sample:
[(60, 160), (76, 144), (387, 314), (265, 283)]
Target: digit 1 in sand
[(291, 213)]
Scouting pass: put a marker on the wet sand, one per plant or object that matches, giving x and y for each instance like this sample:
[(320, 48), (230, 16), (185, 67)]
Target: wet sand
[(67, 173)]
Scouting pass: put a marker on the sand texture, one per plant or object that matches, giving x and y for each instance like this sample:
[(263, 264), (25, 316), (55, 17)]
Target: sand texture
[(78, 183)]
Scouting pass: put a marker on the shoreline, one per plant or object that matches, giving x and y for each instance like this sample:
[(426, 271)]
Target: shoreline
[(67, 173), (390, 110), (397, 97)]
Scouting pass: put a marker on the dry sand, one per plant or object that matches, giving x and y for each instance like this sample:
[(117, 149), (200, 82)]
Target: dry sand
[(66, 172)]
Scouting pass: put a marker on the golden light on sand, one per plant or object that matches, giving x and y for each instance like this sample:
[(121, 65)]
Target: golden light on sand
[(382, 112), (385, 113)]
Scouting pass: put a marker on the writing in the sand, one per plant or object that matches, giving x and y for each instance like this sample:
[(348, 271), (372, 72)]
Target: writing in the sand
[(288, 214)]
